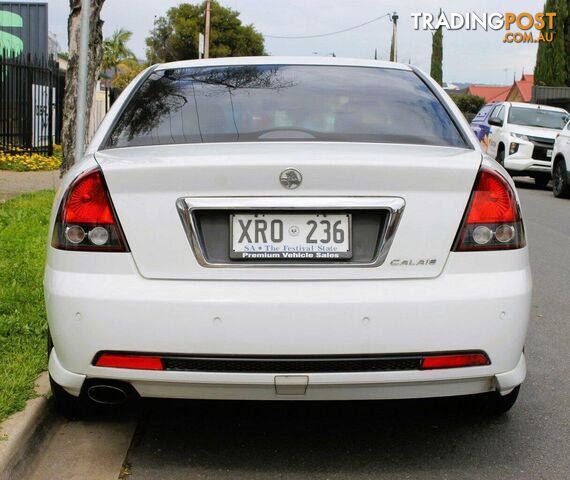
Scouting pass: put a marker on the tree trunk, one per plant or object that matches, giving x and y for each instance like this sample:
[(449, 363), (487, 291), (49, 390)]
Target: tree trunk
[(71, 79)]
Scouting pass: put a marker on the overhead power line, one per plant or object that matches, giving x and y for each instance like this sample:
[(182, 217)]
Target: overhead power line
[(299, 37)]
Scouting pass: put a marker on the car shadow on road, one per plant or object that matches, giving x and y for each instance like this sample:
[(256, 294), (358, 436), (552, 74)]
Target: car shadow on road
[(527, 183), (219, 439)]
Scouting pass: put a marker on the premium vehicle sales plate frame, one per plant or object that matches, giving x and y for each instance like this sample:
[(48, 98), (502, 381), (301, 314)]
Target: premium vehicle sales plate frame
[(290, 236)]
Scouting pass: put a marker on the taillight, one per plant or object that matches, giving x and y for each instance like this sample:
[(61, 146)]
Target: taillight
[(492, 220), (86, 219)]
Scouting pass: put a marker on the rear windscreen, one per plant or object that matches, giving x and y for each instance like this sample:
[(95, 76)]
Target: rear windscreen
[(261, 103)]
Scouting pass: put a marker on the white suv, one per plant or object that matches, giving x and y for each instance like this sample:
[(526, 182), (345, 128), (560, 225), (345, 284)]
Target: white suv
[(561, 164), (522, 138), (289, 229)]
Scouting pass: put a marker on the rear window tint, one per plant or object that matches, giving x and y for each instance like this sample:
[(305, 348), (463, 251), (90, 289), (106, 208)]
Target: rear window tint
[(258, 103)]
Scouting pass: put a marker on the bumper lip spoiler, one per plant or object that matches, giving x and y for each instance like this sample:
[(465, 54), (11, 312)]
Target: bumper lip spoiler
[(72, 382), (200, 387), (505, 382)]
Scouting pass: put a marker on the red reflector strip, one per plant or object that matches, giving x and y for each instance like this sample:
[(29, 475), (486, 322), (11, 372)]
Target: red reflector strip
[(133, 362), (454, 361)]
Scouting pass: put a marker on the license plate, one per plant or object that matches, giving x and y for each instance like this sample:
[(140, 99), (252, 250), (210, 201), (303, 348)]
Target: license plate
[(290, 236), (549, 153)]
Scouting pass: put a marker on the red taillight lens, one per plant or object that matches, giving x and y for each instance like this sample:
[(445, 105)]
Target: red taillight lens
[(492, 220), (493, 200), (133, 362), (86, 220), (454, 361), (88, 202)]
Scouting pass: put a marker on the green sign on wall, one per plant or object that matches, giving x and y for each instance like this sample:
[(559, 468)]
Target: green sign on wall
[(24, 29), (10, 44)]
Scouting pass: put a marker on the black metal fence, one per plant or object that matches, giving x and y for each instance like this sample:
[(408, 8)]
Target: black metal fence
[(29, 108)]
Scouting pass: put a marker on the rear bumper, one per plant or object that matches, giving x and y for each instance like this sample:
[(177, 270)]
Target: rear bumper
[(459, 310), (345, 386)]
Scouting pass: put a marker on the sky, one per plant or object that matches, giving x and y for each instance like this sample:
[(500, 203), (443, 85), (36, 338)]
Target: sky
[(469, 56)]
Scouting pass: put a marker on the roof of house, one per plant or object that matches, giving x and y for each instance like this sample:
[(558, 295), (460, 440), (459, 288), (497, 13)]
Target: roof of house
[(491, 93), (524, 86)]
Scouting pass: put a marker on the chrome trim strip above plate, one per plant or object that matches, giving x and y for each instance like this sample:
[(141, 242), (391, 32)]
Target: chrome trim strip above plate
[(187, 206)]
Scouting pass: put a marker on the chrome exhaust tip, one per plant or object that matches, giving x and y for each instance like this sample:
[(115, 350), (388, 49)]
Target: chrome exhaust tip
[(106, 394)]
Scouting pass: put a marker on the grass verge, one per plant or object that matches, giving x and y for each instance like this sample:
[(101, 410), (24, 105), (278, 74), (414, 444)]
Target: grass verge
[(23, 234)]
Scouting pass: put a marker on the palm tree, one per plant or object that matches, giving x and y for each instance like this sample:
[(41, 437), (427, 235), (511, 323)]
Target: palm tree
[(115, 50)]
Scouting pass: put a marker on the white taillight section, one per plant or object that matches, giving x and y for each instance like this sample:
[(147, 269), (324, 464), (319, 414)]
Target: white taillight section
[(75, 234), (505, 233), (99, 236), (86, 219), (482, 234), (492, 220)]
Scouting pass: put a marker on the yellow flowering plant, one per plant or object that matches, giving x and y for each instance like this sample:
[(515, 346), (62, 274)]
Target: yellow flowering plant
[(22, 160)]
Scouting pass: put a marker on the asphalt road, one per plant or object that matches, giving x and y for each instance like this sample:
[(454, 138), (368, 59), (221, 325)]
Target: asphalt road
[(433, 439)]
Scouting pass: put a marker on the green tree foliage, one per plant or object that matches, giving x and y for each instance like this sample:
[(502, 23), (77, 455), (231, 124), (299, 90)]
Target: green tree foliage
[(567, 41), (552, 62), (175, 36), (126, 72), (468, 103), (437, 55), (115, 50)]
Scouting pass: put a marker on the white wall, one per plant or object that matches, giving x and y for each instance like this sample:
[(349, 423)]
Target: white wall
[(98, 111)]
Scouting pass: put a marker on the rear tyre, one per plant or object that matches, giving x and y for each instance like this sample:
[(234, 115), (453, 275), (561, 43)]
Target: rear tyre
[(71, 407), (560, 181), (496, 404), (541, 180), (501, 156)]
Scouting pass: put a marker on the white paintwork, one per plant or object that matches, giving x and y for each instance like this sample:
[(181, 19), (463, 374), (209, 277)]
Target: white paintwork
[(146, 182), (521, 162), (160, 299)]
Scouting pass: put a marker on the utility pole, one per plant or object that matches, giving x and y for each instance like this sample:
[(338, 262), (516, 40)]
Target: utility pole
[(394, 47), (207, 30)]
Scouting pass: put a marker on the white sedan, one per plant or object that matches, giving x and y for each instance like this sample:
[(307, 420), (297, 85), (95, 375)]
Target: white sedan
[(561, 164), (286, 229)]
